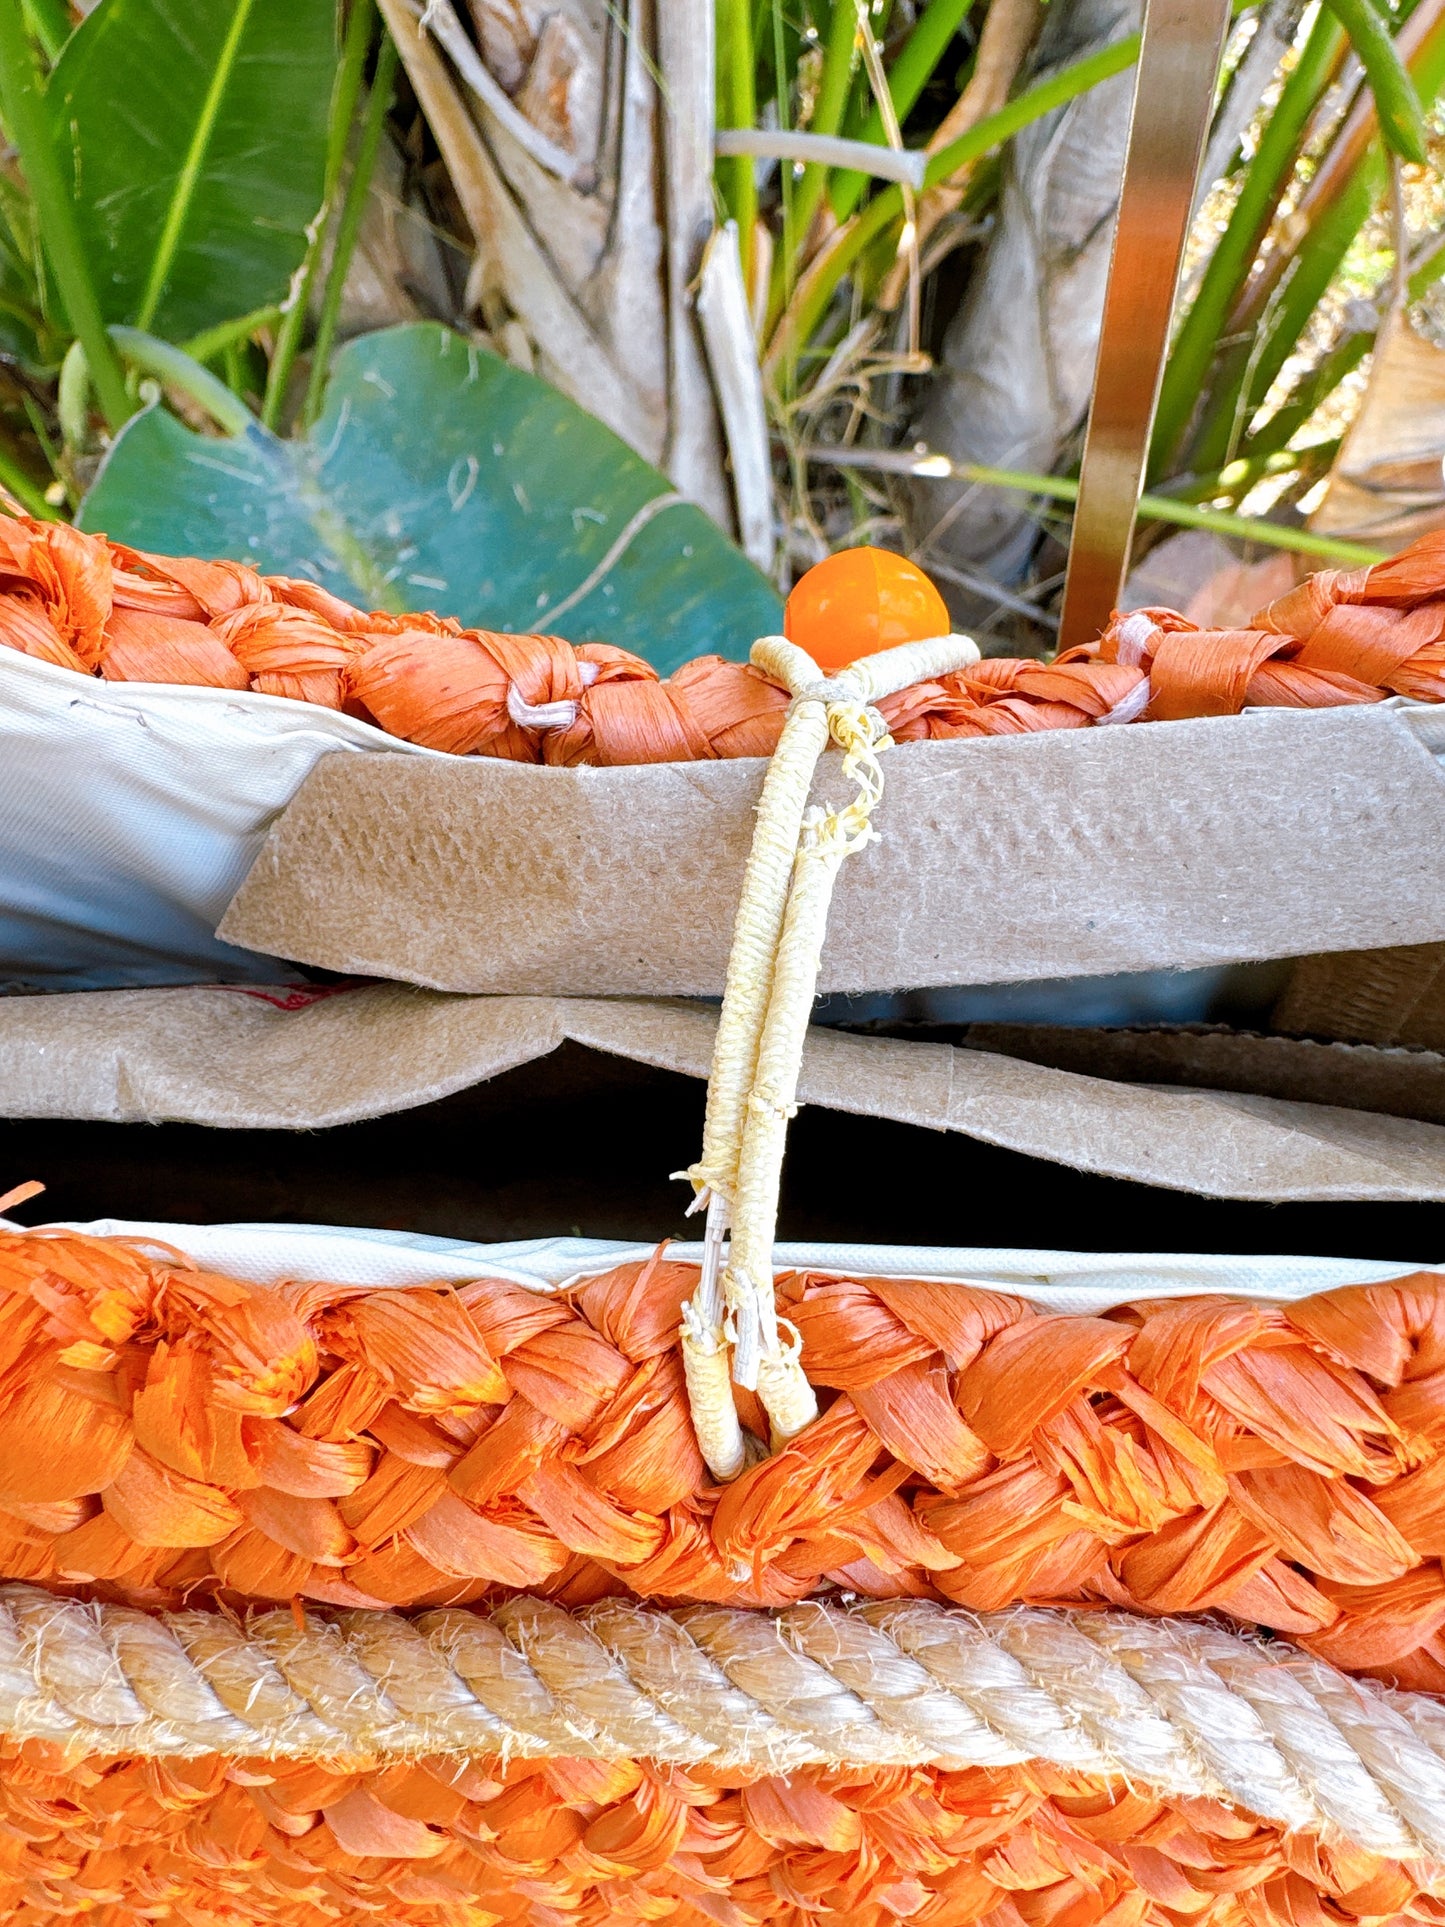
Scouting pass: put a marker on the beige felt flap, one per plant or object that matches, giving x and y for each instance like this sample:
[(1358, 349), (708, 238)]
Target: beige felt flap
[(1363, 1077), (1069, 853), (224, 1057)]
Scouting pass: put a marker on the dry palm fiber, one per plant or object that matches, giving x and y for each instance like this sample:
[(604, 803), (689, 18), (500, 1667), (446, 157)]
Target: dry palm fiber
[(99, 607), (168, 1435)]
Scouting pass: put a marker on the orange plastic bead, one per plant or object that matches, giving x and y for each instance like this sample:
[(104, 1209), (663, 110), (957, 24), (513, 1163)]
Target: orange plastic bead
[(860, 601)]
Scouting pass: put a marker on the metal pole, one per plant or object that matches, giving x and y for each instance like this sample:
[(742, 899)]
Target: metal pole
[(1179, 58)]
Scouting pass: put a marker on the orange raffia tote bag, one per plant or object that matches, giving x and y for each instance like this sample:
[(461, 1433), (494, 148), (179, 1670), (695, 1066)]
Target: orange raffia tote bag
[(689, 1593)]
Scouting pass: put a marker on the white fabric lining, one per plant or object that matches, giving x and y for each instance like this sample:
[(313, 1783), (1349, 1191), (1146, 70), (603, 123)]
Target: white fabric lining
[(1065, 1281), (129, 814)]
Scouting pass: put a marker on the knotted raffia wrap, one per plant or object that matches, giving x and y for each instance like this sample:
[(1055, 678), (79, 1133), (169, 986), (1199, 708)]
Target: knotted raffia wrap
[(100, 608), (1186, 1710), (771, 981)]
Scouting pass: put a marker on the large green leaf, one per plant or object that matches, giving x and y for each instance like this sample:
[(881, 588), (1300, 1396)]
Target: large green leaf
[(439, 477), (194, 132)]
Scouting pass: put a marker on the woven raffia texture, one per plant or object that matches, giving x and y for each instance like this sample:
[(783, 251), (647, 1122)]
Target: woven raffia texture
[(552, 1843), (166, 1434), (1343, 636), (100, 608)]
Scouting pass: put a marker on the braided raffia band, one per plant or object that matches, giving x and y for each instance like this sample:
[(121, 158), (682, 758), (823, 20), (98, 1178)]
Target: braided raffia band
[(1186, 1709), (98, 607)]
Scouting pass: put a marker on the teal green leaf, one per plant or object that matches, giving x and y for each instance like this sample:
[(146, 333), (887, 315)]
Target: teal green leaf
[(194, 135), (439, 477)]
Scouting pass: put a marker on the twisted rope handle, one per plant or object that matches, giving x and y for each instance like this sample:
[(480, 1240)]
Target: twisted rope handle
[(1184, 1708), (772, 978)]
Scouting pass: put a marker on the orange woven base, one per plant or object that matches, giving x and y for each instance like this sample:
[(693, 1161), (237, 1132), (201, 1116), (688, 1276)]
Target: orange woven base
[(166, 1434), (218, 1843)]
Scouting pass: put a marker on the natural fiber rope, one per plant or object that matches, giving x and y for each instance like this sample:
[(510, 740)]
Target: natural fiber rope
[(771, 982), (1186, 1709)]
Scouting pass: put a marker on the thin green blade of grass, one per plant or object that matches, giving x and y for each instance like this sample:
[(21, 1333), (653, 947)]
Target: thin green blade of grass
[(147, 354), (785, 174), (1232, 483), (49, 21), (1317, 260), (1064, 488), (1288, 291), (1316, 388), (818, 285), (17, 482), (1333, 368), (737, 107), (909, 74), (27, 121), (827, 118), (349, 227), (1186, 515), (181, 371), (188, 180), (213, 342), (1402, 117), (360, 27)]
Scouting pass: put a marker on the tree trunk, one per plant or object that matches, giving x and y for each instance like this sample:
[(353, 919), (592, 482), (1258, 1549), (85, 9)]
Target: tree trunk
[(578, 135)]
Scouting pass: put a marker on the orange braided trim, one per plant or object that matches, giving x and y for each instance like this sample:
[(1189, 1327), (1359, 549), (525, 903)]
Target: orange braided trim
[(1343, 636), (101, 608), (220, 1843), (166, 1433)]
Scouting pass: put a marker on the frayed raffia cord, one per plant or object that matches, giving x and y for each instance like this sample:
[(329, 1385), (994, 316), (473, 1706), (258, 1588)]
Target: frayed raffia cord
[(772, 977), (1184, 1708)]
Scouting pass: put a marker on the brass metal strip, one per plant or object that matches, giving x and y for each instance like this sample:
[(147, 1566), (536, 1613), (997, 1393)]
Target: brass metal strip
[(1183, 43)]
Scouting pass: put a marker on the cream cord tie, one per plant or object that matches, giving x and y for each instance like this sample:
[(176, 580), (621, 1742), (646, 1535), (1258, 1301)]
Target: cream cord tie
[(730, 1328)]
